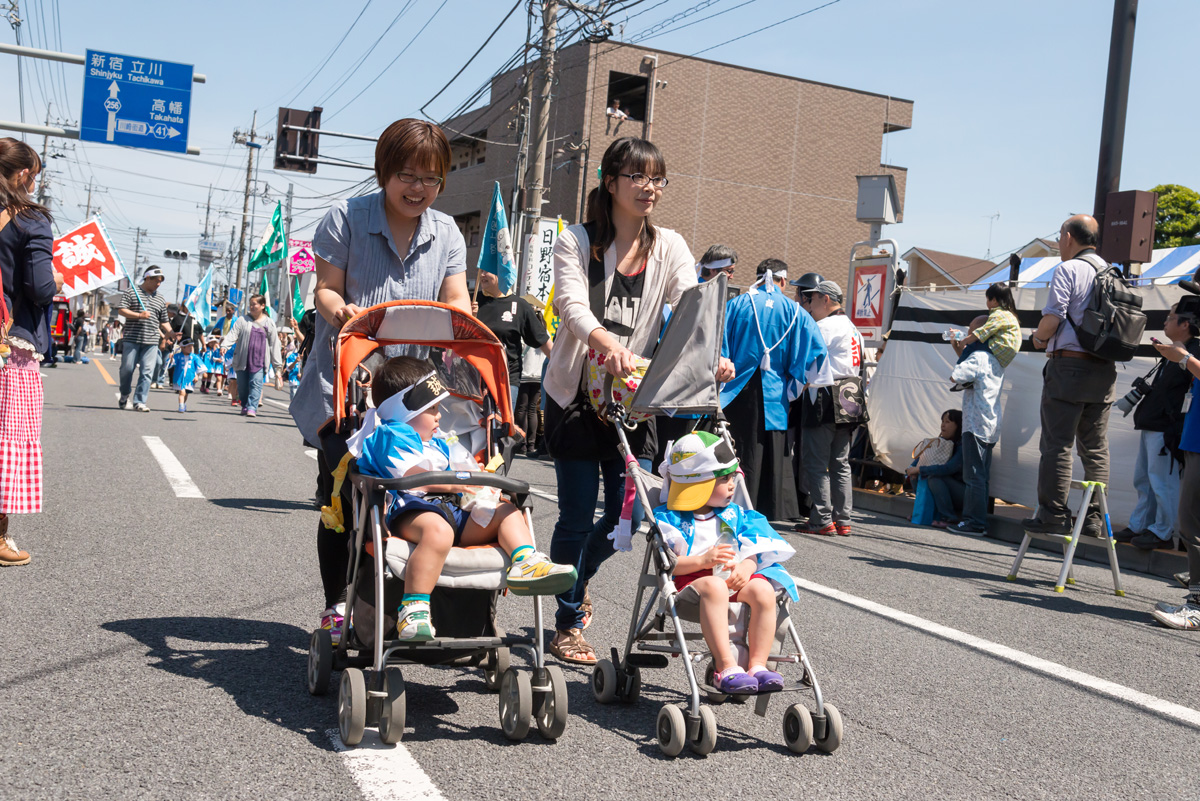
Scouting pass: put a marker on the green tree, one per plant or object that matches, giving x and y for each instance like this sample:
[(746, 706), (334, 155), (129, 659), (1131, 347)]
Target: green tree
[(1178, 220)]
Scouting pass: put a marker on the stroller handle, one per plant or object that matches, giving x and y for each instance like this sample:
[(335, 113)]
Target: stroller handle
[(368, 483)]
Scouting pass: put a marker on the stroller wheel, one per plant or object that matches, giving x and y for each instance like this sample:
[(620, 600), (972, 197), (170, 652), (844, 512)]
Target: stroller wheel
[(352, 706), (671, 729), (710, 679), (706, 736), (833, 730), (630, 693), (497, 663), (798, 728), (604, 681), (551, 713), (320, 662), (516, 704), (395, 707)]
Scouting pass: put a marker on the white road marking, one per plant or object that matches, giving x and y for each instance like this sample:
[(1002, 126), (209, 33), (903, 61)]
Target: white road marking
[(1095, 684), (385, 772), (176, 475), (546, 495), (275, 403), (311, 454)]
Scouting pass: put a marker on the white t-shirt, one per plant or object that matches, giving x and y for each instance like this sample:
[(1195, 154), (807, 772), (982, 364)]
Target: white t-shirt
[(845, 346)]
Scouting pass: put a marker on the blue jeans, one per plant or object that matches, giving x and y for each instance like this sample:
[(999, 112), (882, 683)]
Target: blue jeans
[(1156, 479), (947, 492), (250, 385), (133, 356), (579, 539), (160, 366), (977, 466), (79, 340)]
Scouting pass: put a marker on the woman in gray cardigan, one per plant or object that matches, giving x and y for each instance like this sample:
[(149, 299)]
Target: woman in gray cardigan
[(257, 344)]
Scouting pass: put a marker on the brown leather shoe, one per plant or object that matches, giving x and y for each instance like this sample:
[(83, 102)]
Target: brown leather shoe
[(10, 555)]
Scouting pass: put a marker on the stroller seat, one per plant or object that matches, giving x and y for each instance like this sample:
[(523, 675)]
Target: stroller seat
[(687, 606), (480, 567)]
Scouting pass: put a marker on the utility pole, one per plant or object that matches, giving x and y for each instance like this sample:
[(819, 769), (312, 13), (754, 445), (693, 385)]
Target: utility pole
[(541, 124), (137, 247), (283, 284), (1116, 102), (247, 138), (41, 193)]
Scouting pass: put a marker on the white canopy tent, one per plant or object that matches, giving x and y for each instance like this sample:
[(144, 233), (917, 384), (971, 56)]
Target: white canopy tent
[(1167, 266), (910, 390)]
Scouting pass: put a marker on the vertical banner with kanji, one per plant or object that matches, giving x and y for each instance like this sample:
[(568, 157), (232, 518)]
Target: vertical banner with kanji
[(86, 258), (540, 280)]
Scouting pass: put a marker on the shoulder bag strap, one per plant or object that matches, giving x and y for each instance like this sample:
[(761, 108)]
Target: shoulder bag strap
[(595, 271)]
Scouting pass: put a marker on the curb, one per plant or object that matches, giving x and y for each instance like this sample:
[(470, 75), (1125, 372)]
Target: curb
[(1164, 564)]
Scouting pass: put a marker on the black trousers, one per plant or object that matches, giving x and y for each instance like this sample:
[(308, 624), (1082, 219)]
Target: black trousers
[(333, 548), (763, 454), (528, 413)]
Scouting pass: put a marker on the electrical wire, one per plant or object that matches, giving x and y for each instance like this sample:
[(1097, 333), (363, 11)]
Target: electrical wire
[(474, 55), (331, 54), (355, 67)]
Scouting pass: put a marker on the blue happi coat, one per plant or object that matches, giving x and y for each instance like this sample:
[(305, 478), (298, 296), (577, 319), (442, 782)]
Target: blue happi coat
[(754, 535), (791, 335)]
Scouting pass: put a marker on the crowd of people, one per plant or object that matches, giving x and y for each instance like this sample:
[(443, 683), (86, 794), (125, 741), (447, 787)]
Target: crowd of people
[(794, 374)]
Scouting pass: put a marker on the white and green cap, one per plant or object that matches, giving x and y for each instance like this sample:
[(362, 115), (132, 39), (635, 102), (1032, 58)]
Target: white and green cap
[(694, 463)]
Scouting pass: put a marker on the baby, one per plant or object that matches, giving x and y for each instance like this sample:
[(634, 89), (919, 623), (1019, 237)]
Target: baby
[(724, 552), (402, 439)]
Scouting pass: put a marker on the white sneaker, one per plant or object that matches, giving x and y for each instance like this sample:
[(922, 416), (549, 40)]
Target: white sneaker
[(415, 624), (141, 407), (1185, 617), (537, 575)]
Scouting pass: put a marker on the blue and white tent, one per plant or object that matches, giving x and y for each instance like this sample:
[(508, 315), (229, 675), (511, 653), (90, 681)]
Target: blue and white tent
[(1167, 266)]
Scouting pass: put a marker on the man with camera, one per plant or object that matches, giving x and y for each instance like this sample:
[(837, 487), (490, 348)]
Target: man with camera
[(1157, 403), (1078, 391)]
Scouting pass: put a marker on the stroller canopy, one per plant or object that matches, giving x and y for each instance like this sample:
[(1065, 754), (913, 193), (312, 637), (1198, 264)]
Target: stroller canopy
[(472, 362)]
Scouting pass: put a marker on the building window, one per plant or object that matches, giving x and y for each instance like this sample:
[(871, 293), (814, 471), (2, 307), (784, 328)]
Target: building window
[(467, 151), (627, 96), (469, 226)]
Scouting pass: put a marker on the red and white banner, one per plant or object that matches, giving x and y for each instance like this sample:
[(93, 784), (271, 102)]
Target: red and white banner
[(86, 258), (300, 257)]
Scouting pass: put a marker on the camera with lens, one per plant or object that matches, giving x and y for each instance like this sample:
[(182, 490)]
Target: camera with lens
[(1134, 396)]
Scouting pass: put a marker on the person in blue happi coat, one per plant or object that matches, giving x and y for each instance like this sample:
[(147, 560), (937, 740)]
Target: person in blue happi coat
[(773, 343)]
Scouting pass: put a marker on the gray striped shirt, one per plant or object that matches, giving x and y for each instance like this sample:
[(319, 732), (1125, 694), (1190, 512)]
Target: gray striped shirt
[(148, 331), (355, 237)]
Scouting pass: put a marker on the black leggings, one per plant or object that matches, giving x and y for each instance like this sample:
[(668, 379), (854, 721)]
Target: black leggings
[(333, 549), (529, 401)]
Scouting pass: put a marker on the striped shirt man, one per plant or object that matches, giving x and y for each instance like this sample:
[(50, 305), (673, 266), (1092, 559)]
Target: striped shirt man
[(148, 331)]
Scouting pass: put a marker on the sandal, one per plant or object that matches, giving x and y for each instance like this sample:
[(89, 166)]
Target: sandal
[(586, 607), (569, 646)]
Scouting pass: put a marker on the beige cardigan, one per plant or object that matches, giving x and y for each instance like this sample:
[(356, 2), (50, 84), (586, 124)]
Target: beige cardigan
[(669, 271)]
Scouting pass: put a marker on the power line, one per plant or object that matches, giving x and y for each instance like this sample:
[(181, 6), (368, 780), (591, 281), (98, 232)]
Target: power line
[(350, 73), (331, 53), (474, 55), (397, 58), (764, 28)]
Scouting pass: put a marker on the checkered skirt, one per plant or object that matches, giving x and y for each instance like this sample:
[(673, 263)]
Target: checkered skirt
[(20, 435)]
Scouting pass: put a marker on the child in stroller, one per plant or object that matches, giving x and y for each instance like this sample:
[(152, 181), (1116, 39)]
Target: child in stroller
[(724, 552), (402, 440)]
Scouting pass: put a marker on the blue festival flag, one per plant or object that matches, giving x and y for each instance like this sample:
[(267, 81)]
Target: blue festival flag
[(496, 254), (199, 301)]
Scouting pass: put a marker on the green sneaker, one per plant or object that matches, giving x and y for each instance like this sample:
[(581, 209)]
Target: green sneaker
[(537, 575), (414, 624)]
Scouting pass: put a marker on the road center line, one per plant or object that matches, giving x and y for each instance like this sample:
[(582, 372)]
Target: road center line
[(176, 475), (544, 495), (385, 772), (108, 379), (1166, 709), (275, 403)]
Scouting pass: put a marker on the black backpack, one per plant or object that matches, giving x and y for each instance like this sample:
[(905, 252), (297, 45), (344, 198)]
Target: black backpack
[(1113, 322)]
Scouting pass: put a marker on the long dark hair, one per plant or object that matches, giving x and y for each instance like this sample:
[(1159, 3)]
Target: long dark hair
[(15, 156), (628, 154), (1003, 297), (955, 417)]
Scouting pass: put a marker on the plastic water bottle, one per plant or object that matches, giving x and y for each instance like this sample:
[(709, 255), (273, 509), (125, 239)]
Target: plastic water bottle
[(953, 335), (723, 570)]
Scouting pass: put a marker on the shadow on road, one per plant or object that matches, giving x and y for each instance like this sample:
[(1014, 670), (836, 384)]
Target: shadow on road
[(274, 505), (258, 663)]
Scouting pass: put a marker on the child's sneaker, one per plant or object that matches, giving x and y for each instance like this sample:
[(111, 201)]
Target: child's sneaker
[(183, 407), (414, 624), (332, 620), (537, 575)]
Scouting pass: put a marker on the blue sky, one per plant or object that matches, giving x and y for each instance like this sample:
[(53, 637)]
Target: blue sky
[(1008, 96)]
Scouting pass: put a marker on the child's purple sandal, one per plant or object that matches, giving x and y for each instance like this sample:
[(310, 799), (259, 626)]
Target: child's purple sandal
[(741, 683), (768, 681)]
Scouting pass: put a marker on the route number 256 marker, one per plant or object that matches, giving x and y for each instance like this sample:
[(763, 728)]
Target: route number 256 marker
[(135, 101)]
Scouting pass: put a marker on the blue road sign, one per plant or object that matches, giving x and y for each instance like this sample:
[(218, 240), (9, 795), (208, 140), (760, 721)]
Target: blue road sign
[(133, 101)]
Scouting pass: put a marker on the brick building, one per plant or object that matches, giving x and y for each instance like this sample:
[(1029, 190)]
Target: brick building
[(763, 162)]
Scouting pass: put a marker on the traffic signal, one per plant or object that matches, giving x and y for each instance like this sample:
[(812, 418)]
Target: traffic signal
[(296, 139), (181, 255)]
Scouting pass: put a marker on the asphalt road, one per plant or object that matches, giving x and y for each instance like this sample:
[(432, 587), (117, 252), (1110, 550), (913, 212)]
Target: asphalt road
[(156, 646)]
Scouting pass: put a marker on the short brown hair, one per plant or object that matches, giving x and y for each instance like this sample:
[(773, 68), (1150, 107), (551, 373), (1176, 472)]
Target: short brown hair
[(396, 374), (411, 139)]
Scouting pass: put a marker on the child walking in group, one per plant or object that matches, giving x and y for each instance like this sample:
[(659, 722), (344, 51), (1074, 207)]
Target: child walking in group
[(401, 438), (187, 365), (724, 553), (231, 375)]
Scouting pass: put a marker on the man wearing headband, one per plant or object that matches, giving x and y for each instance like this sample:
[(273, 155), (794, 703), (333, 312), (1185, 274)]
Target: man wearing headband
[(400, 437), (716, 260), (724, 553)]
